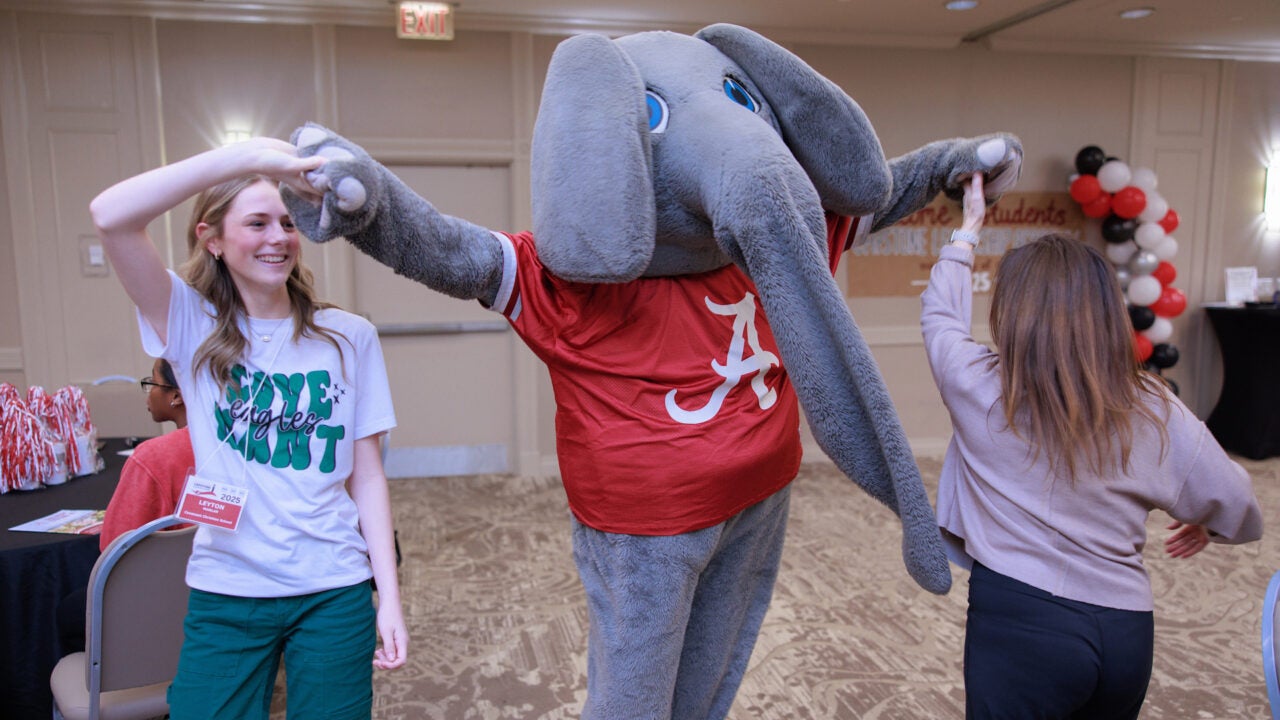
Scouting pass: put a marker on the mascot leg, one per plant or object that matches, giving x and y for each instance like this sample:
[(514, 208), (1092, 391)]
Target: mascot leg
[(673, 619), (729, 608)]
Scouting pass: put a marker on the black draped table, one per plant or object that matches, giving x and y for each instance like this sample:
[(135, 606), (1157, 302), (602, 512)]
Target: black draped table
[(1246, 419), (38, 570)]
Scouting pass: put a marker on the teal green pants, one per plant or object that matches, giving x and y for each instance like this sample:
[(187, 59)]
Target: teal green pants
[(232, 646)]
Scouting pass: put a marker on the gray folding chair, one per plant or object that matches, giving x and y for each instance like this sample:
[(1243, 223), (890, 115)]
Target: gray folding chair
[(137, 599), (1269, 640)]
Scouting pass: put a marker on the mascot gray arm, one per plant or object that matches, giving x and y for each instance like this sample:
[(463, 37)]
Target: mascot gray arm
[(944, 166), (385, 219)]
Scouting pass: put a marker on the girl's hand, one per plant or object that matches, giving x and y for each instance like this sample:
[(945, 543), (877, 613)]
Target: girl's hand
[(395, 637), (1189, 540), (975, 205), (279, 161)]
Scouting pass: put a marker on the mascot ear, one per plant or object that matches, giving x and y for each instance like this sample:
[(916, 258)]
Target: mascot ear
[(825, 129), (594, 216)]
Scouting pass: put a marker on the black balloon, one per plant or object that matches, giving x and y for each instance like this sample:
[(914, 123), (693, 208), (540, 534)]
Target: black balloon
[(1089, 159), (1141, 316), (1116, 229), (1164, 356), (1173, 386)]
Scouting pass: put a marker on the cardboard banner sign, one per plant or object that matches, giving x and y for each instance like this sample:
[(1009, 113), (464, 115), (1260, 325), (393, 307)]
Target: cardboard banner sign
[(895, 262)]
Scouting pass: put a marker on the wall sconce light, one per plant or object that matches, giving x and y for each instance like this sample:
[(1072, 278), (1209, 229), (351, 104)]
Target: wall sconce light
[(424, 20), (231, 137), (1271, 195)]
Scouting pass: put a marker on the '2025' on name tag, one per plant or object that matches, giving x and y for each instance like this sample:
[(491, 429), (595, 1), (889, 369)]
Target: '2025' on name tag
[(212, 503)]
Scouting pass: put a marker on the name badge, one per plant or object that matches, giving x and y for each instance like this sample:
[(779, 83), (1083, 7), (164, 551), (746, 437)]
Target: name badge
[(212, 503)]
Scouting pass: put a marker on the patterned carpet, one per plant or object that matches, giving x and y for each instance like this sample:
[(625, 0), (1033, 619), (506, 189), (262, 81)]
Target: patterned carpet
[(498, 621)]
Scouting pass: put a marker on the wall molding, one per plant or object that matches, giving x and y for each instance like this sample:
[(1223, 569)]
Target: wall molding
[(428, 151), (446, 460), (884, 336), (11, 359)]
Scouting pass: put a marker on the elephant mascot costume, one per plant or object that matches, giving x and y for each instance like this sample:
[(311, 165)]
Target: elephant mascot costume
[(692, 196)]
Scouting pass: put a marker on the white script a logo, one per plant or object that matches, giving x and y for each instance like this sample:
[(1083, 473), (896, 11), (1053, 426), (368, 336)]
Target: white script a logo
[(735, 367)]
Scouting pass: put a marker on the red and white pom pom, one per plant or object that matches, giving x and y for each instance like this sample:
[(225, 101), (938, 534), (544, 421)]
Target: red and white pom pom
[(56, 432), (86, 434), (26, 456), (64, 406), (10, 395), (9, 392), (82, 422)]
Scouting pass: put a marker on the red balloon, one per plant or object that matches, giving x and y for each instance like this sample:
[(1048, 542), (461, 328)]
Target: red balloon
[(1099, 207), (1165, 272), (1129, 202), (1170, 221), (1142, 347), (1171, 303), (1085, 189)]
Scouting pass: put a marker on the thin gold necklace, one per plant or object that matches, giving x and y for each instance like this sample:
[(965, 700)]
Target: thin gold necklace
[(266, 337)]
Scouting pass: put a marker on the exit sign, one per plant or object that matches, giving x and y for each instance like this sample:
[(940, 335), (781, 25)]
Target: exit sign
[(424, 21)]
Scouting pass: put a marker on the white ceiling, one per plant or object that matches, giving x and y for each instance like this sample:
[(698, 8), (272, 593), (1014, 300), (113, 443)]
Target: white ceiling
[(1242, 29)]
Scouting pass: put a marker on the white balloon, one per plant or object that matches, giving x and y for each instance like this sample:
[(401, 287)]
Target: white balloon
[(1149, 235), (1113, 176), (1160, 331), (1144, 290), (1119, 253), (1155, 210), (1123, 277), (1145, 180), (1167, 248)]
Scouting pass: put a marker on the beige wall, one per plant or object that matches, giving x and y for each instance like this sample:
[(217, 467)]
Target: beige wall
[(1251, 139), (459, 115), (10, 332)]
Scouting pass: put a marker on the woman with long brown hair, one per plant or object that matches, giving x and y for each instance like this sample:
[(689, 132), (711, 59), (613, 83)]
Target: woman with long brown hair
[(1062, 445), (287, 398)]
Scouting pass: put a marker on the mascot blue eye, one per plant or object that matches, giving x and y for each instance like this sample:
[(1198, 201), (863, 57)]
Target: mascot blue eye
[(657, 111), (739, 94)]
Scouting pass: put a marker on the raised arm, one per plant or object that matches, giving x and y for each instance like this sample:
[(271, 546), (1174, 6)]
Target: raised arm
[(122, 212), (946, 317)]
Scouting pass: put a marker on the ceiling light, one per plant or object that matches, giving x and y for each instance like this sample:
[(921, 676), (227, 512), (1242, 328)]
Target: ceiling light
[(961, 4), (1136, 13)]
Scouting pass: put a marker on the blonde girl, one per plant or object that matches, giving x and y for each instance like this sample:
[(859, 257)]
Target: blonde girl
[(286, 398)]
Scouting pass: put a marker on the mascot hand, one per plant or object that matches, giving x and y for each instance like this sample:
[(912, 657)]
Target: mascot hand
[(946, 166), (382, 217), (349, 183), (998, 157)]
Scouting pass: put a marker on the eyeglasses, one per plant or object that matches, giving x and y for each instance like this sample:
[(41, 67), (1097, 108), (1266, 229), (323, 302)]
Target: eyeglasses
[(148, 383)]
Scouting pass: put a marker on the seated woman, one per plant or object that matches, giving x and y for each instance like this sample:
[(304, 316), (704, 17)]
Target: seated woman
[(152, 478), (150, 484)]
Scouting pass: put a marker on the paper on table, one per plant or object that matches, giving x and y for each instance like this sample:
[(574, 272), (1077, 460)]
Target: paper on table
[(71, 522), (1242, 285)]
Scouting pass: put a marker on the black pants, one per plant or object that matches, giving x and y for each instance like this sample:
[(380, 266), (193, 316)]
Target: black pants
[(1029, 655)]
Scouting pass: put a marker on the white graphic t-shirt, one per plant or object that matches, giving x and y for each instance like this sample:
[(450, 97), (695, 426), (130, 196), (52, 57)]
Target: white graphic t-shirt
[(284, 428)]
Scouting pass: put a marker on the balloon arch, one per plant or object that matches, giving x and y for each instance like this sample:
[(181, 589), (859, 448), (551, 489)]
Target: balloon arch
[(1137, 224)]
